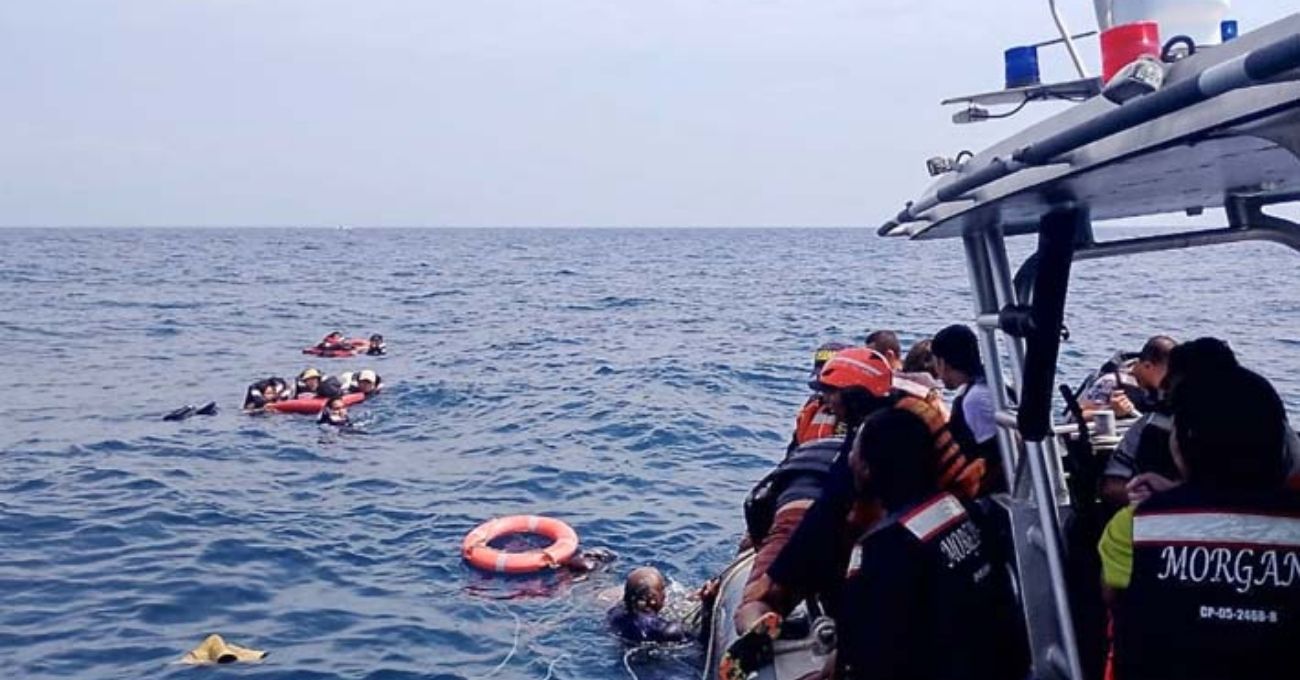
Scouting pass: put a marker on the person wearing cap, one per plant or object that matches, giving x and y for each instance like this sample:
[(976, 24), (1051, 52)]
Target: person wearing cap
[(812, 560), (957, 361), (853, 383), (364, 382), (308, 383), (815, 420)]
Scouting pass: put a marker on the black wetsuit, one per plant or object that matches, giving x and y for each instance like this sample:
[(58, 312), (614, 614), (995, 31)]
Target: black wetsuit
[(640, 627)]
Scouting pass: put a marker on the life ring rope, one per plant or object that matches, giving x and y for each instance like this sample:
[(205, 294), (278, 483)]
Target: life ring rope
[(475, 548)]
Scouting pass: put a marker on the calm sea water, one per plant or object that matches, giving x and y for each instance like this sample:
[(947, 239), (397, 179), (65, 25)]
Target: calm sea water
[(632, 383)]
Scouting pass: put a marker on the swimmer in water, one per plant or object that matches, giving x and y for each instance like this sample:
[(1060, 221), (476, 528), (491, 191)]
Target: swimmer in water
[(637, 618), (265, 392), (335, 413), (583, 562), (334, 342)]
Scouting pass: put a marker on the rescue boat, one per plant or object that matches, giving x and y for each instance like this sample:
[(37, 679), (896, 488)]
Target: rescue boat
[(1219, 127)]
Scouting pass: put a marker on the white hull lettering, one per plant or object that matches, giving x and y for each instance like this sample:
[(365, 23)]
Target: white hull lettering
[(1175, 563), (958, 545), (1241, 568)]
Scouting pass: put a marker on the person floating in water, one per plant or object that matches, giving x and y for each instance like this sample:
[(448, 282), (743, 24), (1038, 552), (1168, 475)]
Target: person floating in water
[(334, 342), (308, 384), (365, 381), (266, 391), (637, 618), (335, 413), (377, 346)]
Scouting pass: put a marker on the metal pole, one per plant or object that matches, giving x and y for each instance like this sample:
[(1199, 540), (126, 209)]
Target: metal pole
[(986, 302), (996, 244), (1067, 39)]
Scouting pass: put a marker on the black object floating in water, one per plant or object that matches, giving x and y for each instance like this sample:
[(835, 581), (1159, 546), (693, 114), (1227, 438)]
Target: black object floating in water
[(208, 409), (180, 414)]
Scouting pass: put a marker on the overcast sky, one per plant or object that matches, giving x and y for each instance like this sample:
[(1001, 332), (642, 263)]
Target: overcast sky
[(497, 112)]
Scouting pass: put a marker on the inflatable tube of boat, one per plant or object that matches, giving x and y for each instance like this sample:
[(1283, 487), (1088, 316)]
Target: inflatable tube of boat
[(358, 345), (793, 656), (312, 405), (564, 542)]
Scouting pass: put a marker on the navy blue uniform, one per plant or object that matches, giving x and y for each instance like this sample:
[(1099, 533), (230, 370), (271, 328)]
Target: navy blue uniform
[(926, 600), (1215, 588), (813, 560)]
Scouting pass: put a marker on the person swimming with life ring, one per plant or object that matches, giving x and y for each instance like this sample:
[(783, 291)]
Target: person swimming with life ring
[(650, 613), (645, 612)]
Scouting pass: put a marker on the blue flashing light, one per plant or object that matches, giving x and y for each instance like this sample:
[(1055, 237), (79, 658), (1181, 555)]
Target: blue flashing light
[(1228, 30), (1022, 66)]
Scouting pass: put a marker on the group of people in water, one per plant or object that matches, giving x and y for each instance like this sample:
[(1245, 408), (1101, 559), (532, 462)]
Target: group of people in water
[(311, 386), (883, 517)]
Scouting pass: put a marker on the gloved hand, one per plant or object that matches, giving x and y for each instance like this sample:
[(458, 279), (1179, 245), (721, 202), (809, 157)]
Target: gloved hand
[(751, 651)]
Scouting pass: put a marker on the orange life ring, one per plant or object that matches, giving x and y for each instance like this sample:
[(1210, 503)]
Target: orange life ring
[(564, 542)]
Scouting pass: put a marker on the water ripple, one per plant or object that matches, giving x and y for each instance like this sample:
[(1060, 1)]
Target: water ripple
[(632, 383)]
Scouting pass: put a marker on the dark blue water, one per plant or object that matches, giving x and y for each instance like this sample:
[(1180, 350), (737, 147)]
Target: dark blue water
[(632, 383)]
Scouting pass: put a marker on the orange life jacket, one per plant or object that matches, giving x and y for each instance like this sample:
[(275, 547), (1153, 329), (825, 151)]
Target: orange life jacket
[(957, 473), (815, 421)]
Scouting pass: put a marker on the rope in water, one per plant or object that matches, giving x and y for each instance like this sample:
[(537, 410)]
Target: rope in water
[(514, 647)]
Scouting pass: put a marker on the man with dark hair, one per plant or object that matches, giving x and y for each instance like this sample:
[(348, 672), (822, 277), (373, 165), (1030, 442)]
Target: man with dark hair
[(927, 596), (886, 342), (856, 382), (1201, 576), (957, 361)]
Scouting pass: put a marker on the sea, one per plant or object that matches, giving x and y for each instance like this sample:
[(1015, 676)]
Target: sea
[(633, 383)]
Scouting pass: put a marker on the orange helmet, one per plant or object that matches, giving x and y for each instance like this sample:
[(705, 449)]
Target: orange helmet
[(856, 367)]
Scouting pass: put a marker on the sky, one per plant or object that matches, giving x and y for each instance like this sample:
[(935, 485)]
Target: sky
[(499, 112)]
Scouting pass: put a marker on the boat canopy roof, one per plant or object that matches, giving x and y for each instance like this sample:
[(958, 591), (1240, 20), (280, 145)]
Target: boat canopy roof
[(1224, 126)]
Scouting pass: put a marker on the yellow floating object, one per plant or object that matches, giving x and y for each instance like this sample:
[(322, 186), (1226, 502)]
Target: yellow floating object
[(214, 649)]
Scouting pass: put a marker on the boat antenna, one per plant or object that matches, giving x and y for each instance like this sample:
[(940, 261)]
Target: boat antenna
[(1067, 39)]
